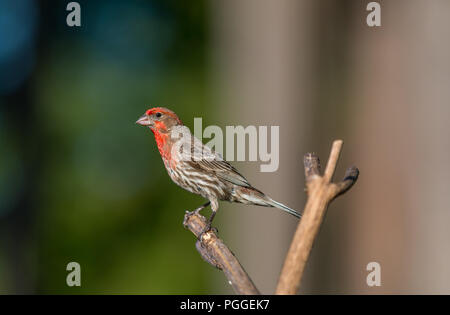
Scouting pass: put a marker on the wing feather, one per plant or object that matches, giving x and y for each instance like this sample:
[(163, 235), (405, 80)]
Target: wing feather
[(205, 159), (223, 170)]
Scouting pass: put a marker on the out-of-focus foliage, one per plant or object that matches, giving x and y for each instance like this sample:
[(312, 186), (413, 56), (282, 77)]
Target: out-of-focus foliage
[(95, 188)]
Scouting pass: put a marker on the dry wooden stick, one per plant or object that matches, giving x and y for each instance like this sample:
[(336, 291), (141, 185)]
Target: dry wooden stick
[(215, 252), (321, 191)]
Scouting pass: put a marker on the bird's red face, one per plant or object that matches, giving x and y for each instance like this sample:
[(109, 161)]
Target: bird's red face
[(159, 119)]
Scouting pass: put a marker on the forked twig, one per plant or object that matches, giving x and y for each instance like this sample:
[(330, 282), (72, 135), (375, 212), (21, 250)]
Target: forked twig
[(321, 191)]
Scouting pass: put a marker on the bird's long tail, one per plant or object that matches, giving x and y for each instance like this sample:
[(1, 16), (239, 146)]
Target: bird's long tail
[(253, 196), (281, 206)]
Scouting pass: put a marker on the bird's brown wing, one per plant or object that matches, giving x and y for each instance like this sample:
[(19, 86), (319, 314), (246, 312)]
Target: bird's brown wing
[(211, 161), (223, 170), (201, 157)]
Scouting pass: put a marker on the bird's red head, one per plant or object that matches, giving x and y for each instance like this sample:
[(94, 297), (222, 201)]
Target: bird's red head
[(159, 119)]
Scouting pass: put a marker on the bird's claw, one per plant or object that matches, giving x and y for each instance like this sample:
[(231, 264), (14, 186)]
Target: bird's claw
[(197, 211)]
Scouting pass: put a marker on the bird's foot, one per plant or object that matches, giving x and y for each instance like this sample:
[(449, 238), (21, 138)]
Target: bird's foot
[(197, 211), (191, 213)]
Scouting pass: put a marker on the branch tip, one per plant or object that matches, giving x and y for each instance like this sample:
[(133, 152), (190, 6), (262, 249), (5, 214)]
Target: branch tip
[(312, 165), (332, 160)]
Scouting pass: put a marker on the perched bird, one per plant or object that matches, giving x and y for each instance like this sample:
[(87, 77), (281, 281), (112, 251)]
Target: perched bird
[(197, 168)]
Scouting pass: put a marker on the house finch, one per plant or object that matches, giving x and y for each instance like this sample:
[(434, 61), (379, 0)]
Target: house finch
[(197, 168)]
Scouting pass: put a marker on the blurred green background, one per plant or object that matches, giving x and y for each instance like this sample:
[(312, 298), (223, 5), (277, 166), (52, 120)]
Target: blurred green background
[(79, 181)]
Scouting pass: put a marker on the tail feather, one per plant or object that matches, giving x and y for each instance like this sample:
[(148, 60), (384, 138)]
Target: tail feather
[(281, 206), (253, 196)]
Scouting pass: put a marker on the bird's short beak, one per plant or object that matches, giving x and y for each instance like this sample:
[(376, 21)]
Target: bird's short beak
[(144, 120)]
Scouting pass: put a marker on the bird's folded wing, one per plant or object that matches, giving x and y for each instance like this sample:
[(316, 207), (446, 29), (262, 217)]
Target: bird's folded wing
[(212, 161), (223, 170), (205, 159)]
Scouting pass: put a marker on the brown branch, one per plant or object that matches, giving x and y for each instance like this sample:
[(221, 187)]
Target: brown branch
[(321, 191), (214, 251)]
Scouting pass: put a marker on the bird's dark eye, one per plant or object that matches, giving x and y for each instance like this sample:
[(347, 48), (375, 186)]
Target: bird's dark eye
[(158, 115)]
